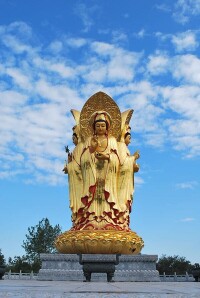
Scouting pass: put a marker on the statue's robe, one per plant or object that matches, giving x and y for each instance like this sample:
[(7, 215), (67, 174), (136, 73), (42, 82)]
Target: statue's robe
[(101, 210), (126, 179), (75, 181)]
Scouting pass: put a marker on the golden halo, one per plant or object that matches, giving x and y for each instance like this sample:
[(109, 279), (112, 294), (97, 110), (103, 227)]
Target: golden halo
[(98, 102)]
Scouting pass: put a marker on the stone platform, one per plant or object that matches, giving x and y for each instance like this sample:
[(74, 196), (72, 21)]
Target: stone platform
[(131, 267), (77, 289)]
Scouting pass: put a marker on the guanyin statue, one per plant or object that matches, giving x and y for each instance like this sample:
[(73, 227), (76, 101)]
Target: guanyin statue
[(101, 181)]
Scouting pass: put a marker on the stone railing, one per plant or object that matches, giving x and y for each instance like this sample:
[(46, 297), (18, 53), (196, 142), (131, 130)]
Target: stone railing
[(20, 275), (175, 277), (163, 278)]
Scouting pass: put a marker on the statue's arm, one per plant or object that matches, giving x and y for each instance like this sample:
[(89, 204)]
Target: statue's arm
[(136, 167), (102, 156), (136, 155), (93, 144), (65, 169)]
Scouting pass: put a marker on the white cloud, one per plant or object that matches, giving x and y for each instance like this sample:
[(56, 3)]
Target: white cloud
[(158, 64), (141, 33), (138, 180), (119, 36), (34, 127), (187, 67), (16, 45), (188, 219), (183, 130), (185, 9), (60, 68), (20, 79), (120, 64), (33, 136), (156, 139), (139, 95), (38, 90), (10, 174), (84, 12), (103, 48), (187, 185), (61, 94), (59, 46), (185, 41), (98, 73), (183, 100), (76, 42), (163, 7), (122, 69), (181, 10), (11, 99), (189, 144), (56, 46), (52, 179), (23, 30), (146, 121)]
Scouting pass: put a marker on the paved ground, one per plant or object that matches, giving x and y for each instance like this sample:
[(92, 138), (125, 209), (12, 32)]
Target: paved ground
[(59, 289)]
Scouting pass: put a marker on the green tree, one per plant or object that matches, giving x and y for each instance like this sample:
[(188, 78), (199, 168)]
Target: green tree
[(40, 239), (171, 264), (2, 259), (19, 263)]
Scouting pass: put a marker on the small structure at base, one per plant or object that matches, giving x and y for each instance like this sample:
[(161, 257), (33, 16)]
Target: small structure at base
[(130, 268), (91, 264)]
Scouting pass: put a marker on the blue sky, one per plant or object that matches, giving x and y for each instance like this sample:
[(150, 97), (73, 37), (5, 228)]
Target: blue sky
[(145, 54)]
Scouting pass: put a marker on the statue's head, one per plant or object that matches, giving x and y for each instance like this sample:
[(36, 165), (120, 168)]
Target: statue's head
[(126, 131), (127, 138), (75, 138), (100, 122), (76, 135)]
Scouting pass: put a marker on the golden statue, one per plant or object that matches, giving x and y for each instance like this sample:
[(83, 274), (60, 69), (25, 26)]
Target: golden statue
[(101, 181)]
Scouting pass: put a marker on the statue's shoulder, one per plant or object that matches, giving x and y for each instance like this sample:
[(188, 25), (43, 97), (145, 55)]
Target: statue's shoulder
[(112, 142), (78, 149), (86, 143), (112, 138)]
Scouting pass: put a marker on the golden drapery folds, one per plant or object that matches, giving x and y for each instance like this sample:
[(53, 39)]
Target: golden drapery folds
[(101, 174)]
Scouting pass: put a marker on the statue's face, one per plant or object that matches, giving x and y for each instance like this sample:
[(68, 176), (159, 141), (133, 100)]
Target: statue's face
[(75, 140), (100, 128), (127, 140)]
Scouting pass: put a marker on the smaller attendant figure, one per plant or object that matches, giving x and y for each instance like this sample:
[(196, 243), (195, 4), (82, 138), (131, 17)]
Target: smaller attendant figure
[(72, 168), (128, 167)]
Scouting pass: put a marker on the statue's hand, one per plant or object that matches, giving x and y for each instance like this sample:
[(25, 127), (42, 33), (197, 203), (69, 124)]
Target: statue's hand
[(65, 170), (102, 156), (136, 155), (94, 143), (136, 168)]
